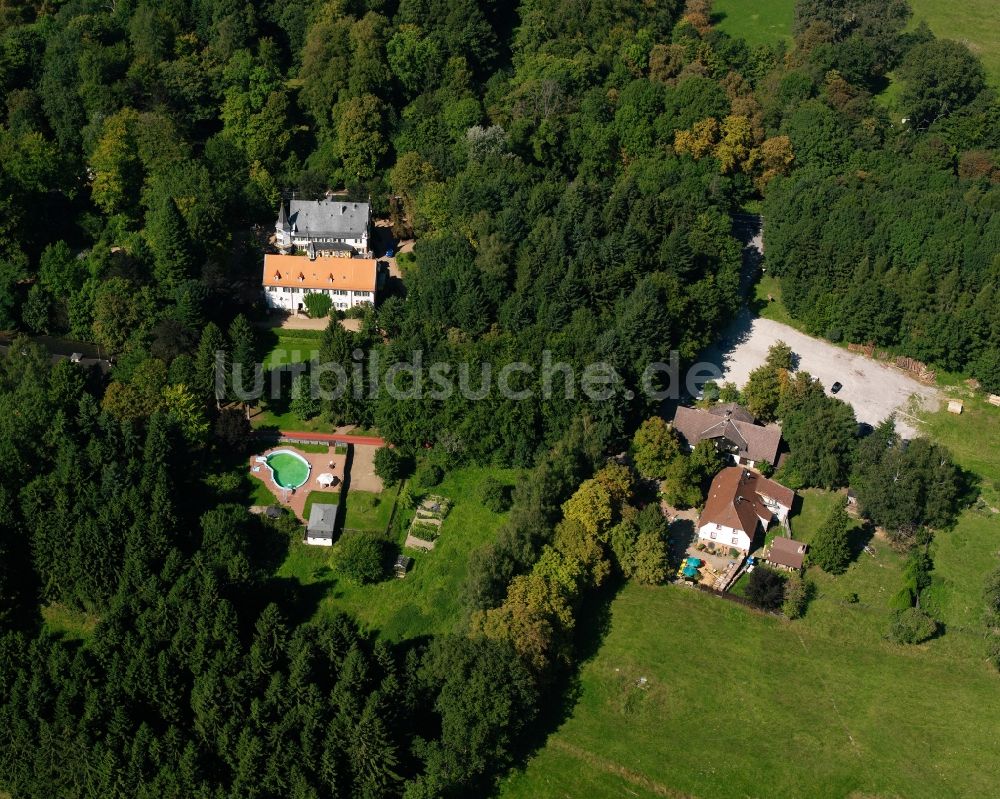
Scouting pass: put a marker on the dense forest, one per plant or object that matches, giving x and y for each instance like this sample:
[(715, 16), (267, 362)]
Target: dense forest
[(569, 171)]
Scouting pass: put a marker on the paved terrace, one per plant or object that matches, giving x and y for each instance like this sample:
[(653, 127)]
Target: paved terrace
[(319, 462)]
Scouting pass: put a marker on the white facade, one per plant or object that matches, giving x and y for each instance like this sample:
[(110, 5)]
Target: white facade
[(724, 536), (332, 225), (291, 298), (318, 540), (779, 510)]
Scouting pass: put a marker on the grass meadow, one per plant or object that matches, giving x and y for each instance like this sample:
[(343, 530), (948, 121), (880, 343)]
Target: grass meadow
[(428, 600), (759, 22), (975, 23), (737, 704)]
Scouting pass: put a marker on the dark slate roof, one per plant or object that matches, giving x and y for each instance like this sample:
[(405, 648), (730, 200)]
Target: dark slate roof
[(328, 218), (753, 441), (787, 552), (322, 520)]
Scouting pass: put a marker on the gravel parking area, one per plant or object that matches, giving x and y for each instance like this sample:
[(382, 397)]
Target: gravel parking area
[(363, 477), (873, 389)]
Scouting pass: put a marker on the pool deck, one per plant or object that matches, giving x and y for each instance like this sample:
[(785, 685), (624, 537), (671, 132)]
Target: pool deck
[(319, 462)]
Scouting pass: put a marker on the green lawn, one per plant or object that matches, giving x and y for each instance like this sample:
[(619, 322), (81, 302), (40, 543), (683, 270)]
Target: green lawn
[(286, 420), (737, 704), (277, 346), (767, 301), (368, 511), (964, 556), (428, 600), (260, 493), (315, 448), (322, 497), (759, 22), (812, 509), (973, 438)]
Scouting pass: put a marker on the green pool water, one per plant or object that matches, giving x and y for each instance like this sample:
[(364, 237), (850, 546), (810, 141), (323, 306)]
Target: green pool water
[(288, 469)]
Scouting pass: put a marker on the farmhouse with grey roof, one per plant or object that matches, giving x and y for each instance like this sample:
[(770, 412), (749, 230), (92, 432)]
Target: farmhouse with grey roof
[(734, 431)]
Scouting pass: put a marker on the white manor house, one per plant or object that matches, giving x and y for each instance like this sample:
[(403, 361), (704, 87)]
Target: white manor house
[(349, 282), (323, 249)]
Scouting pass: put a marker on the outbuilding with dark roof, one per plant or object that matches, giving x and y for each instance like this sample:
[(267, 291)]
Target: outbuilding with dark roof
[(322, 523), (787, 553)]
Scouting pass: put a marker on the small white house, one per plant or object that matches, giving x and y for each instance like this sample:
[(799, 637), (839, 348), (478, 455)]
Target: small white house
[(332, 224), (322, 523), (349, 282), (739, 502)]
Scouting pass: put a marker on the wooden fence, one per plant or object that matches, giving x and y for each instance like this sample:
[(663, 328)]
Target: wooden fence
[(733, 598), (916, 368)]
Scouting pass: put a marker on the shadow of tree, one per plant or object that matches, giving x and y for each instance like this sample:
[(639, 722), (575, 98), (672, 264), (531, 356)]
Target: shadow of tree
[(858, 538), (593, 623), (682, 535)]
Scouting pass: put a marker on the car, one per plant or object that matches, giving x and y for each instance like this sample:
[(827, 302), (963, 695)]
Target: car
[(836, 387)]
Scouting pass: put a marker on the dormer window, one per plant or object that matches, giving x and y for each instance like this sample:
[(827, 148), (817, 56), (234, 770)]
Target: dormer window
[(301, 277), (277, 275)]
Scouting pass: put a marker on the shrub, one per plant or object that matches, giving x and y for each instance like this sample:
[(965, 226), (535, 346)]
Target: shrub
[(911, 626), (993, 651), (495, 495), (766, 588), (360, 558), (429, 475), (797, 592), (388, 465), (317, 305)]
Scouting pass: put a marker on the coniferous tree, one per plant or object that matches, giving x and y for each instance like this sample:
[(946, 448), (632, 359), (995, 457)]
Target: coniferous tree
[(212, 356), (171, 244), (830, 548)]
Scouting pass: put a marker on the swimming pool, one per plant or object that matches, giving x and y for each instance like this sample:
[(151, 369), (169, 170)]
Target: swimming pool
[(288, 469)]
